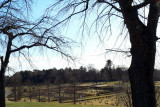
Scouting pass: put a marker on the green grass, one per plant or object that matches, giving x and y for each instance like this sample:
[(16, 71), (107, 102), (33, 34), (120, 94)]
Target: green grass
[(40, 104)]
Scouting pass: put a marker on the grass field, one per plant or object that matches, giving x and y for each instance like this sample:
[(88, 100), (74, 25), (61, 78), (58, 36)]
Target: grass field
[(103, 94), (41, 104)]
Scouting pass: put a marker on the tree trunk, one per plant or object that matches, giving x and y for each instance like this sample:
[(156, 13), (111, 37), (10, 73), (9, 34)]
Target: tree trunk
[(39, 94), (74, 93), (141, 70), (15, 92), (48, 91), (59, 92), (143, 49), (4, 64), (30, 92), (2, 90)]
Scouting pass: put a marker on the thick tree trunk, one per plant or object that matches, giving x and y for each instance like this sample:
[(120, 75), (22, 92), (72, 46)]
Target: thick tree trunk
[(4, 64), (141, 70), (143, 49), (2, 90)]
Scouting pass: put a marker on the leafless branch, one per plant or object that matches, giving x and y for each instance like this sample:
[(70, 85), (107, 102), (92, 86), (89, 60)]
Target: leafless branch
[(4, 3), (141, 4), (116, 50), (111, 4)]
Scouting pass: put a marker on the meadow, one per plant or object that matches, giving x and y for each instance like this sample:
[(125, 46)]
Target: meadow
[(42, 104), (102, 94), (108, 94)]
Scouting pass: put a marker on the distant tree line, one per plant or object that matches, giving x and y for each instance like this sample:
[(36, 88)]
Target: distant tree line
[(69, 75)]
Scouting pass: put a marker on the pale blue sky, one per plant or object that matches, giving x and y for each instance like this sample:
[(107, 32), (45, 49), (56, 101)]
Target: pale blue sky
[(91, 52)]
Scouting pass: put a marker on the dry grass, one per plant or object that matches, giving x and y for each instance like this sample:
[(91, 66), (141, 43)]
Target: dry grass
[(87, 94)]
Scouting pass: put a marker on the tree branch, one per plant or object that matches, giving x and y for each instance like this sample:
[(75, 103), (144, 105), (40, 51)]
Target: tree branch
[(111, 4), (71, 15), (153, 17), (4, 3), (33, 45), (115, 50), (1, 57), (141, 5), (23, 47)]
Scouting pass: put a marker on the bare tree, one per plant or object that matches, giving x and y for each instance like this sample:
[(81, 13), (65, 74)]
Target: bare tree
[(19, 92), (109, 69), (125, 96), (141, 20), (19, 35), (59, 82), (48, 90), (109, 64), (30, 90), (73, 82), (14, 91), (39, 92), (16, 83)]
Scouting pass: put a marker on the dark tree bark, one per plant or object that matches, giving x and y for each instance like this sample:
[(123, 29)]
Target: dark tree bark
[(141, 73), (143, 49), (4, 64), (2, 86), (2, 90)]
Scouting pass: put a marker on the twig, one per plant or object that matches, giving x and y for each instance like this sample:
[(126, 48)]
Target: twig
[(116, 50)]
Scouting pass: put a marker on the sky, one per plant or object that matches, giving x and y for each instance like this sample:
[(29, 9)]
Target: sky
[(93, 51)]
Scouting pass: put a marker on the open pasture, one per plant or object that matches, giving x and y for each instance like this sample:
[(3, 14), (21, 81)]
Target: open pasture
[(42, 104), (108, 94)]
